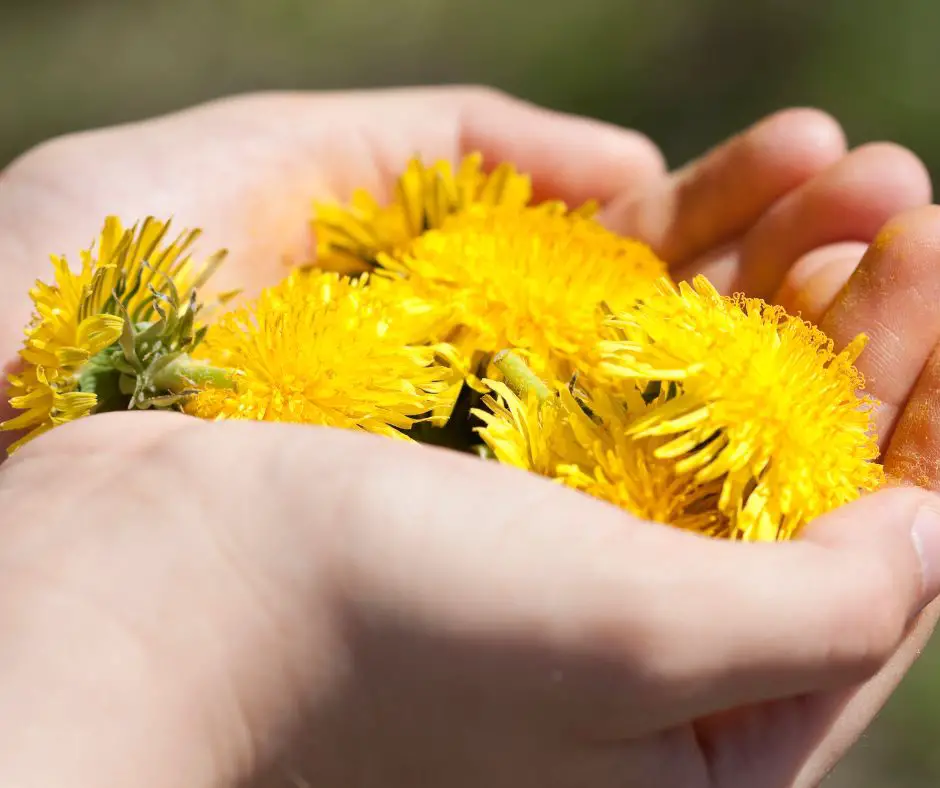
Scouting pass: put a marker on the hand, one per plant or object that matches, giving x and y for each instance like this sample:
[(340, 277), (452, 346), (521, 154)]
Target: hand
[(247, 169), (892, 296), (200, 604)]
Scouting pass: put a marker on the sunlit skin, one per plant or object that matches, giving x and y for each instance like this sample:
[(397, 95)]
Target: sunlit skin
[(247, 604)]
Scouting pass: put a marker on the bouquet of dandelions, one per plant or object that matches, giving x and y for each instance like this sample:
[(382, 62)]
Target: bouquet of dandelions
[(466, 315)]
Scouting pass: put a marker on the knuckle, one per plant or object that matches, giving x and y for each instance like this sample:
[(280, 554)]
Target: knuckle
[(482, 95), (897, 154), (810, 123), (627, 634), (900, 169), (912, 230), (811, 117), (817, 136)]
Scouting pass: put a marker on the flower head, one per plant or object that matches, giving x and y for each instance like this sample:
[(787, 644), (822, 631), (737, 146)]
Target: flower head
[(582, 439), (323, 349), (761, 403), (350, 239), (532, 279), (529, 425), (100, 334)]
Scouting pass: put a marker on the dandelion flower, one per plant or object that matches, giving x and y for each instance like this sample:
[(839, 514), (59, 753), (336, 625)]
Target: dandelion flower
[(350, 239), (527, 424), (323, 349), (532, 279), (762, 404), (101, 338), (582, 441)]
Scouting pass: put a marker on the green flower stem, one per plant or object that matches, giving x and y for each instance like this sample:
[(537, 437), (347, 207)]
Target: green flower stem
[(519, 377), (185, 373)]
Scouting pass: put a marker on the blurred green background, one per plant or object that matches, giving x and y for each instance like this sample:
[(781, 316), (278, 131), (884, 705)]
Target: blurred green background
[(686, 72)]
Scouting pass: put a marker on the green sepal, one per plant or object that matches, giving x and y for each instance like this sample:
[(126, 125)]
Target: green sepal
[(99, 376), (150, 365)]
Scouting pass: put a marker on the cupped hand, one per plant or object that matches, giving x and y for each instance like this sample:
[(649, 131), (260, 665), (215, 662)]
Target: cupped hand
[(203, 604)]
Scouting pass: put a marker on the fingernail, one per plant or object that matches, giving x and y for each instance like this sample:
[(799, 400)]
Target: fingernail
[(926, 536)]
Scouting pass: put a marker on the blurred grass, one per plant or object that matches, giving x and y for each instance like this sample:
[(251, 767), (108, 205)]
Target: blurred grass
[(686, 72)]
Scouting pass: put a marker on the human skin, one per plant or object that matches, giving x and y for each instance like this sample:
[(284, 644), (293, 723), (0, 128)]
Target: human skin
[(224, 605)]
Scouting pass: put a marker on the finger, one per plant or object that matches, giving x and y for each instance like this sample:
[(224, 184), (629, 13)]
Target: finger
[(913, 457), (810, 287), (853, 585), (802, 739), (570, 158), (715, 199), (850, 201), (892, 297), (843, 717), (914, 453)]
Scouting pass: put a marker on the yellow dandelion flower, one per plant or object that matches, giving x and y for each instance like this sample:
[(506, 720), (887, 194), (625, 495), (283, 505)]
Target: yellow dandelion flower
[(762, 403), (532, 279), (349, 240), (323, 349), (583, 442), (100, 334), (530, 426)]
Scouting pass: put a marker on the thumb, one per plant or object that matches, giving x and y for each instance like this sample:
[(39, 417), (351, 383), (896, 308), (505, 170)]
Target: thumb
[(823, 612), (899, 530), (489, 553), (496, 560)]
